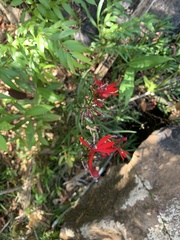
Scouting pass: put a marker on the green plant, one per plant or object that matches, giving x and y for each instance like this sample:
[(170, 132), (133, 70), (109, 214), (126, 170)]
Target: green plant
[(50, 96)]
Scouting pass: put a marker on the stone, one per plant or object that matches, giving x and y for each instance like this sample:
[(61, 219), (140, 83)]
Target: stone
[(139, 200), (161, 8)]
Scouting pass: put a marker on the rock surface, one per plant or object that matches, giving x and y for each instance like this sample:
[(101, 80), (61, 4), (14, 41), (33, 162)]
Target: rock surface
[(161, 8), (139, 200)]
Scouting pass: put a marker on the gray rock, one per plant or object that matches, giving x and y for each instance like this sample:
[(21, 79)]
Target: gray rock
[(140, 200), (161, 8)]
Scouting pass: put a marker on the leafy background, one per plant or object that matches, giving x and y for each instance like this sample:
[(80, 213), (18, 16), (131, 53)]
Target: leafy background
[(46, 92)]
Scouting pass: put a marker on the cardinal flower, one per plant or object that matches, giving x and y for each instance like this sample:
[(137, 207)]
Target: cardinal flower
[(94, 173), (105, 146), (103, 90)]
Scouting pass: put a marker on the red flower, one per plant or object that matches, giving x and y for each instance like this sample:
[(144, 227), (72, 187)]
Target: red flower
[(98, 102), (94, 173), (122, 153), (105, 147), (104, 90)]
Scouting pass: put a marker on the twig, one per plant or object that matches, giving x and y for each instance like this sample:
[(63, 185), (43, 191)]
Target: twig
[(5, 226), (10, 190), (103, 168), (140, 96), (62, 214), (35, 234)]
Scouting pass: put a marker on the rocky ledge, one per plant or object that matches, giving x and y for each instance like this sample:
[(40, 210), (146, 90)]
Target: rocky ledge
[(139, 200)]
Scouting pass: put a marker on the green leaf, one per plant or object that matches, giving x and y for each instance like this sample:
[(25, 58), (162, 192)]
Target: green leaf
[(15, 3), (9, 118), (7, 75), (3, 145), (50, 117), (75, 46), (127, 85), (19, 124), (42, 139), (58, 12), (87, 11), (42, 10), (40, 44), (46, 4), (3, 96), (99, 8), (68, 9), (30, 133), (70, 63), (5, 126), (2, 110), (146, 62), (62, 57), (63, 34), (27, 86), (81, 57), (49, 95), (19, 107), (38, 110), (149, 84), (91, 2)]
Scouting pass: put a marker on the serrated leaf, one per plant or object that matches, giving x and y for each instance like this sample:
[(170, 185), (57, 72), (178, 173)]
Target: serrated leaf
[(38, 110), (127, 85), (146, 62), (3, 145)]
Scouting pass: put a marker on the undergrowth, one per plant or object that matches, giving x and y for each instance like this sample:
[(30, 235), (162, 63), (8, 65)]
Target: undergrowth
[(51, 93)]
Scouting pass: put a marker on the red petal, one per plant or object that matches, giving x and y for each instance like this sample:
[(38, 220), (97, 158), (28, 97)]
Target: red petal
[(84, 142), (92, 170), (103, 140), (98, 103), (105, 146), (124, 139), (98, 82), (122, 153)]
